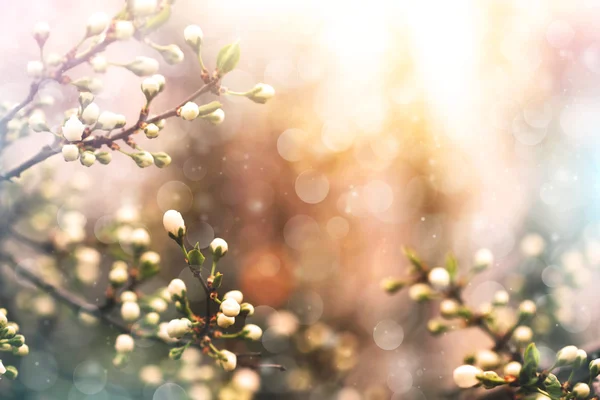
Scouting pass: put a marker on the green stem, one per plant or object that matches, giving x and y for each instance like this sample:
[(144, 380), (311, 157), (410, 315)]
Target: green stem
[(213, 268)]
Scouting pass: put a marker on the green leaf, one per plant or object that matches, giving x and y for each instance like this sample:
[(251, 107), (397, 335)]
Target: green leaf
[(413, 258), (157, 20), (553, 387), (451, 266), (530, 365), (217, 281), (195, 257), (208, 108), (228, 58)]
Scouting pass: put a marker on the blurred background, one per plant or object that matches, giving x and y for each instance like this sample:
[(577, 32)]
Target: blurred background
[(446, 126)]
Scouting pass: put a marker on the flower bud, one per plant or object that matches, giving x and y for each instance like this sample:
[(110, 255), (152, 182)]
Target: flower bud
[(449, 308), (161, 159), (193, 37), (90, 114), (261, 93), (85, 99), (150, 88), (124, 344), (160, 79), (465, 376), (97, 24), (419, 292), (151, 131), (252, 332), (87, 84), (224, 321), (172, 54), (142, 8), (173, 223), (158, 304), (392, 285), (143, 159), (247, 308), (53, 59), (581, 390), (594, 368), (532, 245), (581, 359), (216, 117), (218, 247), (483, 259), (230, 307), (128, 296), (99, 64), (124, 30), (149, 264), (118, 276), (37, 122), (439, 278), (87, 158), (143, 66), (228, 58), (513, 368), (163, 334), (229, 362), (41, 32), (436, 327), (176, 288), (527, 308), (152, 318), (35, 69), (567, 355), (107, 120), (189, 111), (73, 129), (104, 157), (22, 351), (487, 359), (501, 298), (140, 238), (237, 295), (3, 320), (130, 311), (179, 327), (523, 335)]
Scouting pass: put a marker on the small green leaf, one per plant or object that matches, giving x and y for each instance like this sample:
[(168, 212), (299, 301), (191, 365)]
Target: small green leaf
[(208, 108), (451, 266), (195, 257), (228, 58), (530, 365), (553, 387), (413, 258), (217, 281)]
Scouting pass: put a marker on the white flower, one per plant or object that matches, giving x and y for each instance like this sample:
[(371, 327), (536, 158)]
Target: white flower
[(224, 321), (465, 376), (144, 7), (215, 117), (523, 334), (532, 245), (512, 368), (173, 222), (118, 276), (483, 258), (130, 311), (179, 327), (247, 380), (70, 152), (230, 361), (419, 292), (487, 359), (261, 93), (193, 36), (107, 120), (176, 288), (41, 31), (189, 111), (124, 344), (90, 114), (439, 278), (73, 129), (2, 368), (218, 247), (140, 237), (253, 332), (230, 308), (124, 30), (567, 355), (143, 159), (35, 69), (87, 158), (527, 308), (128, 296), (234, 294), (97, 23), (99, 64), (581, 390)]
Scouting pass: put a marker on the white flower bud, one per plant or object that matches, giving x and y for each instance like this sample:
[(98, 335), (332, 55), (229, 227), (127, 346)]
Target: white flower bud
[(73, 129), (234, 294), (513, 368), (99, 64), (108, 120), (224, 321), (567, 355), (419, 292), (130, 311), (439, 278), (230, 361), (118, 276), (161, 159), (527, 308), (176, 288), (261, 93), (87, 158), (37, 122), (160, 79), (163, 333), (35, 69), (3, 320), (523, 335), (53, 59), (248, 380), (124, 30), (189, 111), (487, 359), (151, 131), (152, 318), (172, 54), (140, 237), (532, 245), (70, 152), (104, 157), (215, 117), (483, 258), (90, 114), (97, 23), (501, 298), (581, 390), (150, 257), (230, 307), (2, 368), (449, 308), (247, 308), (41, 32), (124, 344), (193, 36), (143, 159), (143, 66), (151, 375), (128, 296), (23, 350), (252, 332), (173, 222), (218, 247), (581, 357), (150, 88), (159, 304), (143, 8), (179, 327), (465, 376)]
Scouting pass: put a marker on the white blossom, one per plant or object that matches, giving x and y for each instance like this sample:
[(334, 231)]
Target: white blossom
[(523, 334), (128, 295), (143, 159), (234, 294), (2, 368), (224, 321), (252, 331), (70, 152), (189, 111), (581, 390), (230, 361), (487, 359), (90, 114), (179, 327), (99, 64), (176, 287), (193, 36), (140, 237), (567, 355), (527, 307), (130, 311), (173, 222), (419, 292), (230, 307), (118, 276), (439, 278), (246, 379), (483, 258), (41, 31), (218, 247), (73, 129), (261, 93), (87, 158)]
